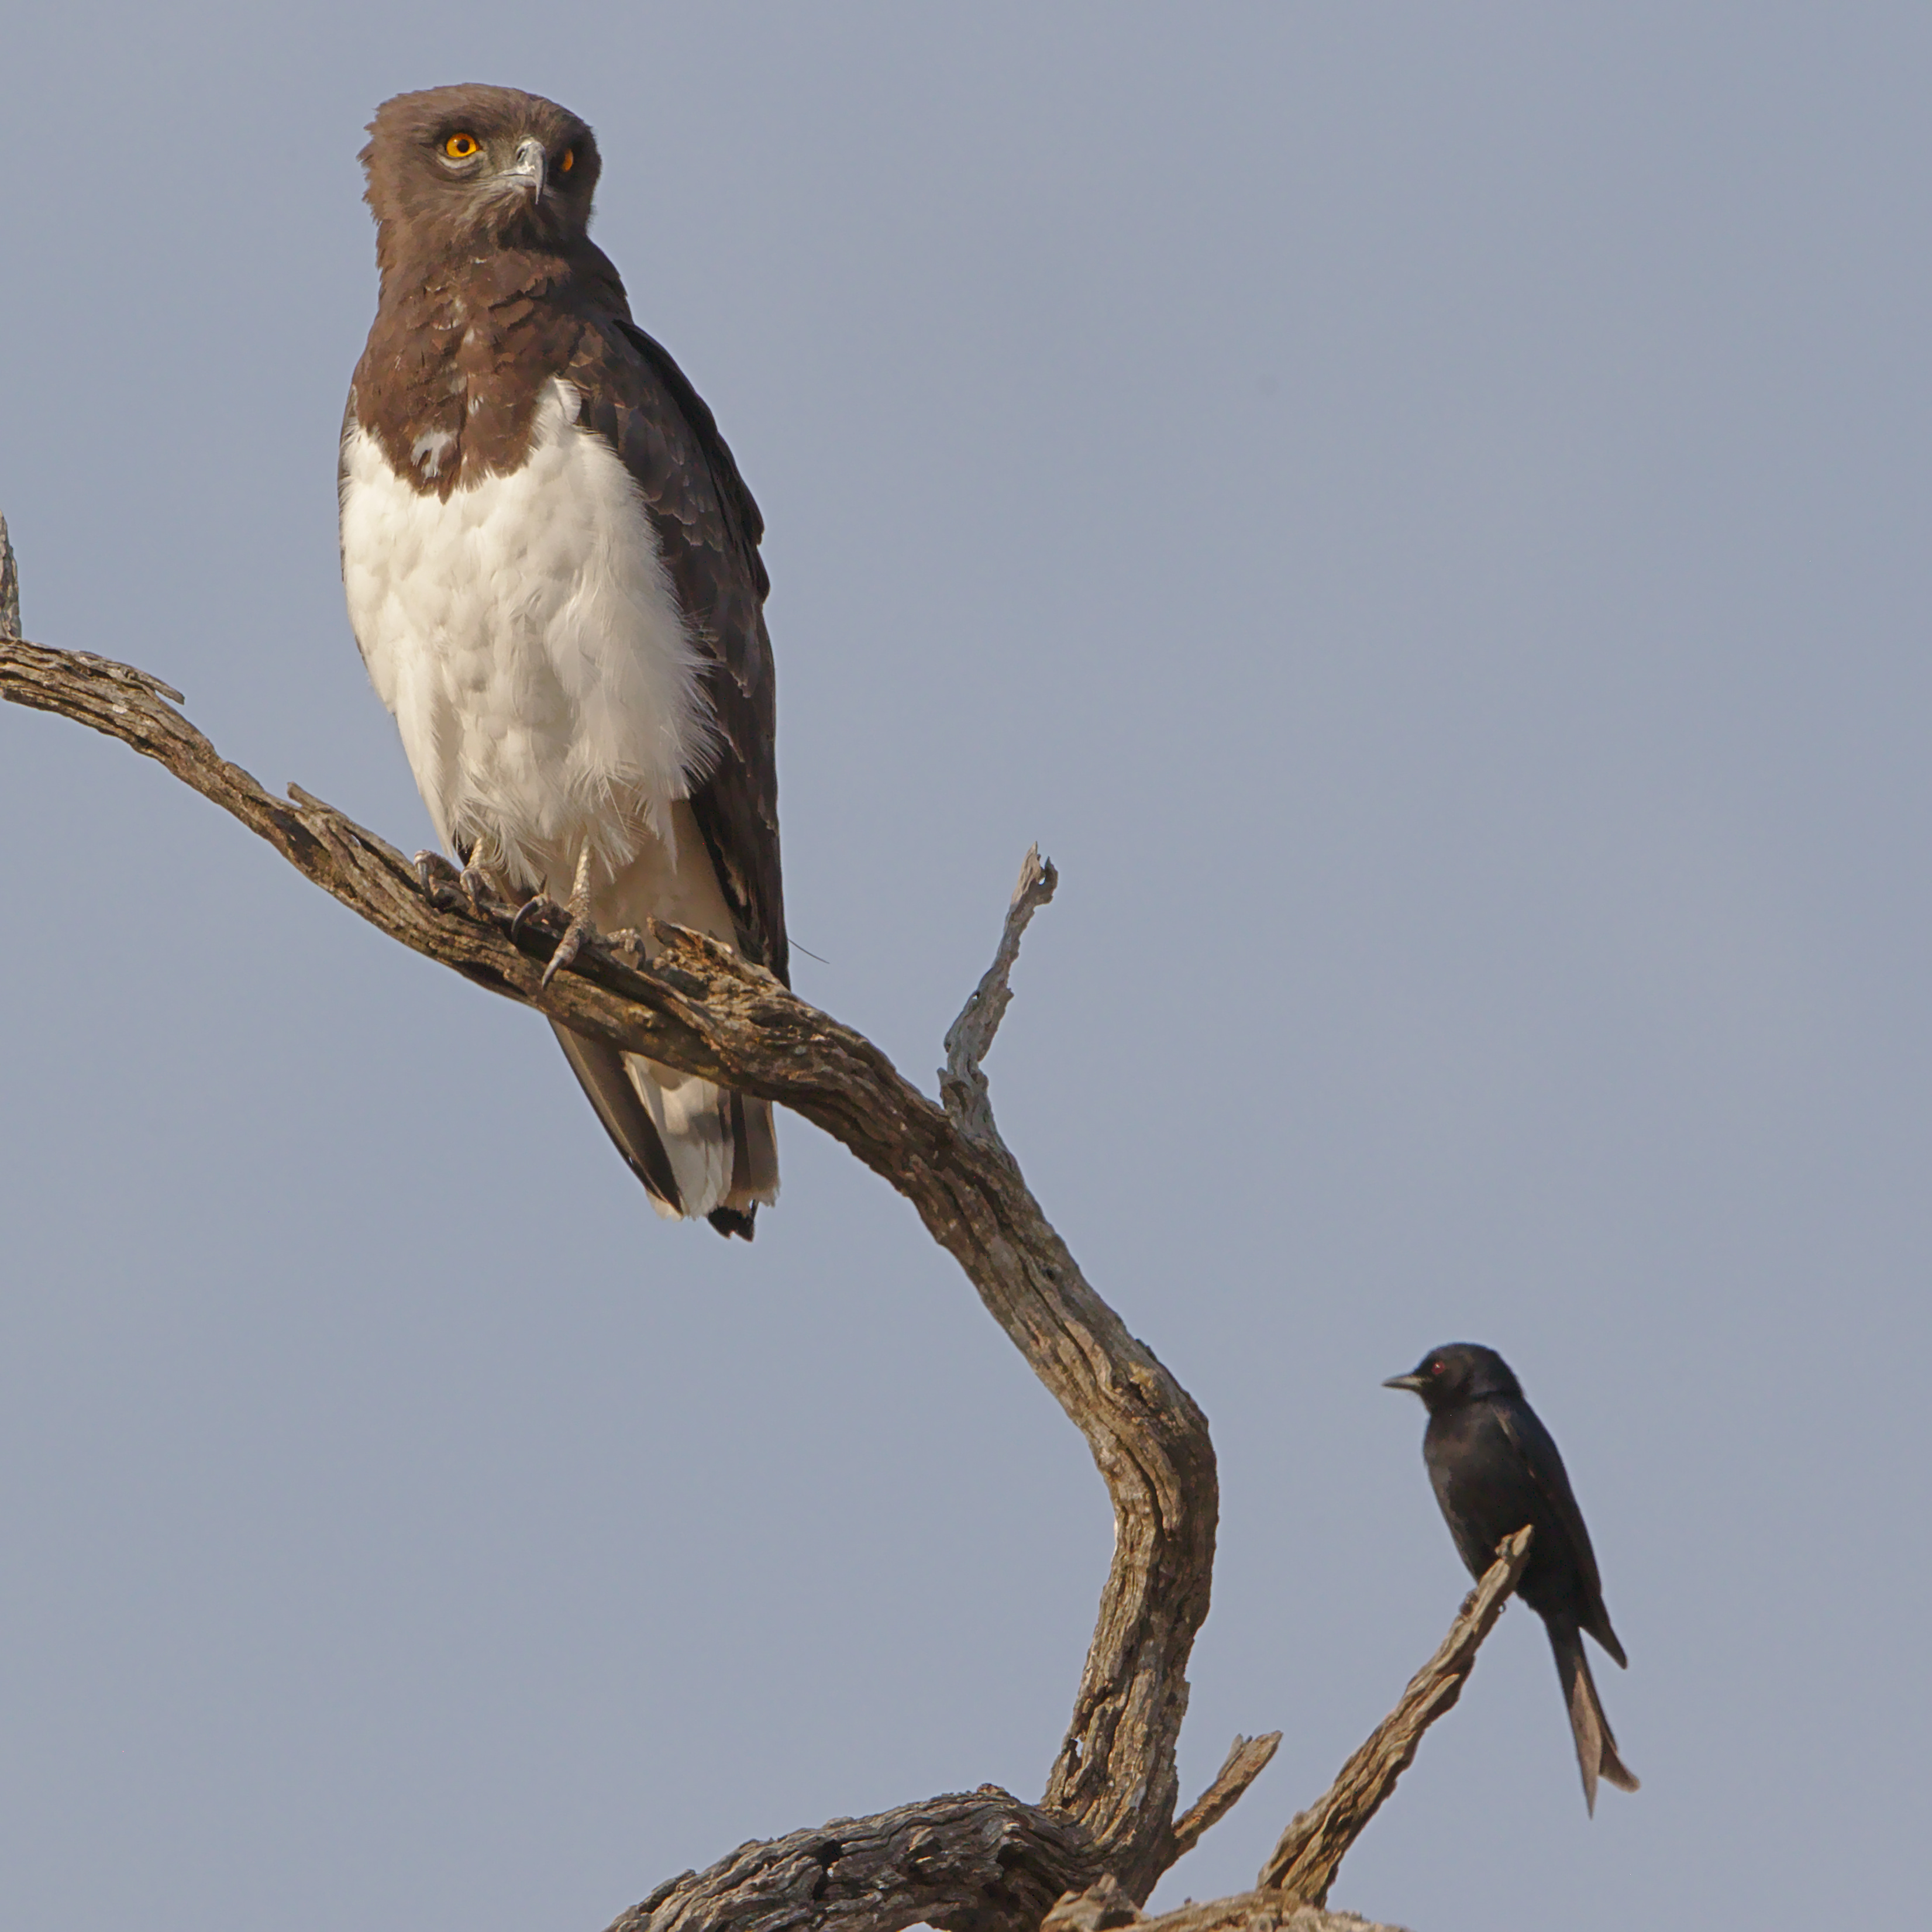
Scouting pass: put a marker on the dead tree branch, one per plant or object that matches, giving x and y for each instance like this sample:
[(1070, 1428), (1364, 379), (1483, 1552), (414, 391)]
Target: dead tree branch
[(962, 1086), (1247, 1759), (1310, 1852), (981, 1862), (1294, 1883), (1259, 1912), (10, 589), (700, 1008), (1105, 1829)]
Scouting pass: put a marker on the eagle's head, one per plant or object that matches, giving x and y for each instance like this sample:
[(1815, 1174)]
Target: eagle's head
[(464, 166)]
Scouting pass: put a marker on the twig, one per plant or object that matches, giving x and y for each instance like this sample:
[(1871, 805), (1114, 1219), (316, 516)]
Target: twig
[(1247, 1759), (1311, 1850), (962, 1085), (10, 589)]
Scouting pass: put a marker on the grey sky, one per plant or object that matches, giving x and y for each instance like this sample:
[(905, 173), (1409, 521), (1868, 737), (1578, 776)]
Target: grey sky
[(1422, 512)]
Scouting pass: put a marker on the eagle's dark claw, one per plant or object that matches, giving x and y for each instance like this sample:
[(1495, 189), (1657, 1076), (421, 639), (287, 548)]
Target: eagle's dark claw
[(539, 907), (475, 884), (577, 912), (436, 875), (543, 912), (575, 935)]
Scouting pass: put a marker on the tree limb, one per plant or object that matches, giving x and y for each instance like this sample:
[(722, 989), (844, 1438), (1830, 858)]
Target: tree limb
[(1259, 1912), (986, 1862), (1310, 1852), (977, 1863), (700, 1008), (962, 1086), (10, 589), (1247, 1759)]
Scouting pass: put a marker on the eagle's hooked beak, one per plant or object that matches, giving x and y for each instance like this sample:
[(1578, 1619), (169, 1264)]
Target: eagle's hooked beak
[(530, 167)]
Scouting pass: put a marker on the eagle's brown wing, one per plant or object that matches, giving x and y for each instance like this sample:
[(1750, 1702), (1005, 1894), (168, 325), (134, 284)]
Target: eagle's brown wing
[(709, 529)]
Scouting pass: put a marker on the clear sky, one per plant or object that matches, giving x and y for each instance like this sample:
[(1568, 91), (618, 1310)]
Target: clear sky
[(1422, 512)]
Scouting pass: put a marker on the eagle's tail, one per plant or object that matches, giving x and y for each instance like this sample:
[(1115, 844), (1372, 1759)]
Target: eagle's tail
[(699, 1149), (702, 1151)]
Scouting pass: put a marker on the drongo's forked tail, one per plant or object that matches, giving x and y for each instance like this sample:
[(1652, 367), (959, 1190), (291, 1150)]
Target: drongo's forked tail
[(1596, 1747)]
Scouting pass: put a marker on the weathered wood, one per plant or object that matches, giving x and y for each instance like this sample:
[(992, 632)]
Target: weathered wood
[(982, 1862), (962, 1085), (10, 589), (1264, 1911), (1100, 1908), (700, 1008), (1247, 1758), (1309, 1853)]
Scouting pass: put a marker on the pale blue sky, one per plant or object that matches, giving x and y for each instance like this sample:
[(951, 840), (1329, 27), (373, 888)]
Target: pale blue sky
[(1422, 513)]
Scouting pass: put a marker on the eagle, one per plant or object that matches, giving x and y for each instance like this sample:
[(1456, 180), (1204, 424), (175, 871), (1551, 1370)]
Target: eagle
[(552, 570)]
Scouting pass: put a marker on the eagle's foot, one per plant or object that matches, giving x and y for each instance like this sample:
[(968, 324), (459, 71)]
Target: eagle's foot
[(630, 946), (545, 911), (540, 910), (476, 888), (579, 928), (575, 934), (436, 875), (439, 879)]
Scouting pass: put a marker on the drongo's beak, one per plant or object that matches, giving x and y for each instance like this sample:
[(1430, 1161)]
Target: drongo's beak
[(1415, 1383)]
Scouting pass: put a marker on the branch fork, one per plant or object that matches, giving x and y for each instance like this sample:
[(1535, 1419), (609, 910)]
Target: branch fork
[(962, 1084), (1106, 1828)]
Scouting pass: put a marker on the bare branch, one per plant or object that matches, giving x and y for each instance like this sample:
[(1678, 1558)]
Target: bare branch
[(1311, 1850), (970, 1863), (1259, 1912), (1247, 1759), (10, 589), (1103, 1907), (962, 1086), (700, 1008)]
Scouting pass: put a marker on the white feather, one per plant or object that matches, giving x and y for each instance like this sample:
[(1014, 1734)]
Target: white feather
[(526, 637)]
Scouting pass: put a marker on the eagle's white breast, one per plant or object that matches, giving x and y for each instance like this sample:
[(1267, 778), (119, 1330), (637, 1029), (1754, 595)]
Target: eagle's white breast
[(526, 636)]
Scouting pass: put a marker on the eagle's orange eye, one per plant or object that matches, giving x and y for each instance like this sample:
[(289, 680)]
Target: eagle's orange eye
[(460, 147), (569, 161)]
